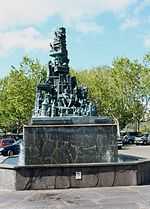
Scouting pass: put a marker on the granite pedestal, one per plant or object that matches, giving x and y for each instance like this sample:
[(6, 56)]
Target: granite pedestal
[(70, 143)]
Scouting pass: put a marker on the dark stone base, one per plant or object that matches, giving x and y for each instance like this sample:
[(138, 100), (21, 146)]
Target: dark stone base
[(74, 176), (76, 143), (71, 120)]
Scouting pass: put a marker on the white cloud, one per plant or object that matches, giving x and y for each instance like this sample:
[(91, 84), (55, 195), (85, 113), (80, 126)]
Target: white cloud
[(73, 10), (79, 14), (141, 5), (25, 12), (29, 12), (130, 23), (86, 27), (147, 41), (26, 39)]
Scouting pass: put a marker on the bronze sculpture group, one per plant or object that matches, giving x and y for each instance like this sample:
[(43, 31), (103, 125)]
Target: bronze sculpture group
[(60, 96)]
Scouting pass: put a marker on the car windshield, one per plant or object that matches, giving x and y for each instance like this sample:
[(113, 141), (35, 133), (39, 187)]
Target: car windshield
[(8, 141), (135, 134)]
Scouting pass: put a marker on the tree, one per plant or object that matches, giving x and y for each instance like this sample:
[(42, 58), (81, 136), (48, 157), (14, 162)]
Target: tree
[(117, 91), (122, 91), (17, 94), (127, 77), (145, 79)]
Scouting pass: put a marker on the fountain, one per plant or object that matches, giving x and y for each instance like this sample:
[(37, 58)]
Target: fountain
[(64, 126), (67, 145)]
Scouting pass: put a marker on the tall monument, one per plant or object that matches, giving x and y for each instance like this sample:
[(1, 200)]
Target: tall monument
[(64, 127), (60, 96)]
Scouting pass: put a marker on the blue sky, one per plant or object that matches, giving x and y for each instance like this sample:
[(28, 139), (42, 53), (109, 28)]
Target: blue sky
[(97, 30)]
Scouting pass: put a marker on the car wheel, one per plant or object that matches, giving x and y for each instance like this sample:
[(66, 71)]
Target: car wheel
[(10, 153), (145, 143)]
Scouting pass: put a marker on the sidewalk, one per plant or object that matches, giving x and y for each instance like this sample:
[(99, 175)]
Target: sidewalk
[(137, 197), (91, 198)]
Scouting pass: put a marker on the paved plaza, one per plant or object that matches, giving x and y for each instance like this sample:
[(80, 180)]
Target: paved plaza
[(135, 197), (89, 198), (140, 150)]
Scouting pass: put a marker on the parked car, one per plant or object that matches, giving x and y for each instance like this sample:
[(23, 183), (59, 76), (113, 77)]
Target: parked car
[(143, 140), (129, 137), (14, 136), (6, 141), (10, 150)]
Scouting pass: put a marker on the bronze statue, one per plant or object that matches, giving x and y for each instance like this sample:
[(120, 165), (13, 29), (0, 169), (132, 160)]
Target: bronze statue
[(59, 95)]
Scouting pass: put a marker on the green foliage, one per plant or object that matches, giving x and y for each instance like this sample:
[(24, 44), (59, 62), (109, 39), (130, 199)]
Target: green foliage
[(17, 94), (122, 91), (127, 77)]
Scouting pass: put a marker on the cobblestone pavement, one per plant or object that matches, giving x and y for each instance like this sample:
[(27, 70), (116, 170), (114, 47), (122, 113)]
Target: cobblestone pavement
[(89, 198)]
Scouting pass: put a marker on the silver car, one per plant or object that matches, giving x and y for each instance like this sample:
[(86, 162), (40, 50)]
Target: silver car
[(143, 140)]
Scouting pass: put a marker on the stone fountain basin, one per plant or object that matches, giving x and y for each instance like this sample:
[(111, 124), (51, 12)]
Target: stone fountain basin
[(83, 175)]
